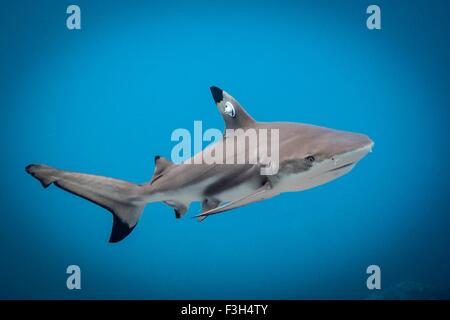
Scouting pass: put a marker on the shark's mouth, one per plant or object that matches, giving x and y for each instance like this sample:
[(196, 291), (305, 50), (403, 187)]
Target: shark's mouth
[(342, 167)]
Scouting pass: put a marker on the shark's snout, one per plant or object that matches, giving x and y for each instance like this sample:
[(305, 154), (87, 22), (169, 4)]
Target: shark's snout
[(217, 94), (351, 142), (364, 141), (359, 145)]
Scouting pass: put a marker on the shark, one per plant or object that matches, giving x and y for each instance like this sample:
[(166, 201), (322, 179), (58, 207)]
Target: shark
[(309, 156)]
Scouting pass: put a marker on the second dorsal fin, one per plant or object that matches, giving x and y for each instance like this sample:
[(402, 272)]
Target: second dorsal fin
[(161, 165)]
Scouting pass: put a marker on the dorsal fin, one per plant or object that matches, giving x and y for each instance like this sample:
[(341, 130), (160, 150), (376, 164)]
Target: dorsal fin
[(161, 164), (232, 112)]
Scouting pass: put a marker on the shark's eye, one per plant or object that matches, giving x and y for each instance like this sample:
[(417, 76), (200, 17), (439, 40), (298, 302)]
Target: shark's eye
[(229, 109), (310, 159)]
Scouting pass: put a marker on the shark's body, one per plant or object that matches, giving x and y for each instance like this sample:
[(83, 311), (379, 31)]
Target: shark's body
[(308, 156)]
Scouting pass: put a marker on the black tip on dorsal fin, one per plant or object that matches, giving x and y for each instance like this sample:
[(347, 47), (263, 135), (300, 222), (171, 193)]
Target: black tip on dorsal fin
[(232, 112), (217, 94)]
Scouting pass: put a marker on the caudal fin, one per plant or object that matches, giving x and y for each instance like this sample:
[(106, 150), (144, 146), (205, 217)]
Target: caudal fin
[(117, 196)]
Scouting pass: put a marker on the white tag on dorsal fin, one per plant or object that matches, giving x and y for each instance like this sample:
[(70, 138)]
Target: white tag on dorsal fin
[(232, 112)]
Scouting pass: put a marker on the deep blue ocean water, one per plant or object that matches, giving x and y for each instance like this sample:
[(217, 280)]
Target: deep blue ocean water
[(105, 100)]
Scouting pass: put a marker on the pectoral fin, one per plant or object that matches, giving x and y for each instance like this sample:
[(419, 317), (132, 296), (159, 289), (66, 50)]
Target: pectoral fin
[(207, 206), (264, 192)]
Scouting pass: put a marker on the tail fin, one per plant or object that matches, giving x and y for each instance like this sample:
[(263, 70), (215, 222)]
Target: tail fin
[(112, 194)]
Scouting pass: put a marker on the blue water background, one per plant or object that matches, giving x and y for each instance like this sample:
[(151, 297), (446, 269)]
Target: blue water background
[(105, 100)]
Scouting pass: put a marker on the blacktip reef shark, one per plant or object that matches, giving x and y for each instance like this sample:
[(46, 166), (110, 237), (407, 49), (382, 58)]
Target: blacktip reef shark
[(308, 156)]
